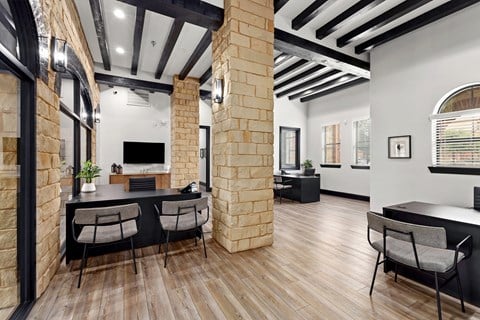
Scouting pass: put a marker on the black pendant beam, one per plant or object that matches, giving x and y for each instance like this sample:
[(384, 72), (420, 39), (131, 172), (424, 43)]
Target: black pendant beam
[(197, 53), (168, 48), (290, 68), (350, 84), (298, 77), (310, 13), (428, 17), (137, 39), (278, 4), (380, 21), (354, 11), (305, 49), (205, 76), (98, 20), (323, 86), (308, 83), (199, 13)]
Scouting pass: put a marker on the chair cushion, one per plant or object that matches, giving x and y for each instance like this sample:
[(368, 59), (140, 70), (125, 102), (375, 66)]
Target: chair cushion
[(185, 222), (430, 258), (282, 186), (106, 234)]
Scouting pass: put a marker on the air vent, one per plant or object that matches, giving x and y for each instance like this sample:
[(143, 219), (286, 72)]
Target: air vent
[(138, 99)]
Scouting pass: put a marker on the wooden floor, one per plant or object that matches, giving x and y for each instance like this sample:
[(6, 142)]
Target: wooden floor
[(319, 267)]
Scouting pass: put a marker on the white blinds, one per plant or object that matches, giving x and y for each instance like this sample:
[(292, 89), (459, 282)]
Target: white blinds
[(456, 140)]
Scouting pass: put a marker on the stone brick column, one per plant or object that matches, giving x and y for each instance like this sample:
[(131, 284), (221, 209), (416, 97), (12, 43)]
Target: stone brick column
[(184, 117), (243, 127)]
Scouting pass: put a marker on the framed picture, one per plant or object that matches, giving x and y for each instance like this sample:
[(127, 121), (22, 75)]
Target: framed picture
[(399, 147)]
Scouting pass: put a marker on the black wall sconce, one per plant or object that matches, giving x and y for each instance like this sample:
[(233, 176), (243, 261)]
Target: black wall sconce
[(217, 90), (96, 114), (59, 54)]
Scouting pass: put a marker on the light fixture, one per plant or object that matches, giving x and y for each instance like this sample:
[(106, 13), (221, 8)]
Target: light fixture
[(119, 13), (217, 90), (59, 54), (120, 50), (96, 114)]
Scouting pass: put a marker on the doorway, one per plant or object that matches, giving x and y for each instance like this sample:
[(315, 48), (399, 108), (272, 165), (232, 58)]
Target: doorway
[(204, 157)]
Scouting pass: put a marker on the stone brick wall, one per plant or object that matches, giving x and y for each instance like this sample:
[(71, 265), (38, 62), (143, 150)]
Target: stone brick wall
[(184, 131), (243, 127), (64, 23), (9, 132)]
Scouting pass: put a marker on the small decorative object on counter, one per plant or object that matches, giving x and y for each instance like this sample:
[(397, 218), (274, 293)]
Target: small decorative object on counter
[(194, 187), (113, 168), (119, 169)]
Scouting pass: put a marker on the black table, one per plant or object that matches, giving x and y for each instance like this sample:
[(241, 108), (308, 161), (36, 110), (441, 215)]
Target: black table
[(458, 223), (114, 194), (304, 188)]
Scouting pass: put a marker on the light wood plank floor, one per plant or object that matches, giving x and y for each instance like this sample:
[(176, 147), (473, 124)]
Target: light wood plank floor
[(319, 267)]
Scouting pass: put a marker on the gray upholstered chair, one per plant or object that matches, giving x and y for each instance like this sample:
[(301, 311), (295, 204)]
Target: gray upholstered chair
[(141, 184), (418, 246), (183, 215), (105, 225), (281, 185)]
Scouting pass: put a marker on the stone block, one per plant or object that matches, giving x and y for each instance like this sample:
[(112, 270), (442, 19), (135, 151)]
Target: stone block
[(251, 219), (255, 195), (241, 208), (266, 240), (244, 232)]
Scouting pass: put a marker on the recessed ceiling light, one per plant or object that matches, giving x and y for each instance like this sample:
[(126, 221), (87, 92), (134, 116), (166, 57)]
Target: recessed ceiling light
[(119, 13), (120, 50)]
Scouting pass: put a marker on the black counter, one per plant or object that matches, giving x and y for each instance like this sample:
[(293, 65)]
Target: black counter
[(114, 194), (304, 188)]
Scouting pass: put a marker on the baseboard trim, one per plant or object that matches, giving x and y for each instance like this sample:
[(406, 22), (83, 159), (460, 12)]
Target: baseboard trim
[(345, 195)]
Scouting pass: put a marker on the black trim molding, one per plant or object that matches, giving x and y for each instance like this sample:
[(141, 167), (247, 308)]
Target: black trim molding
[(454, 170), (330, 165), (345, 195), (356, 166)]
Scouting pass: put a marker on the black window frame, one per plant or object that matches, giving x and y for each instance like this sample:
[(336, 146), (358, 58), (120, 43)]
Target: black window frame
[(296, 166)]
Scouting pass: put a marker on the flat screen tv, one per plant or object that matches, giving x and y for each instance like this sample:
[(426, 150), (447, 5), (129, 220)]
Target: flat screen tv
[(143, 152)]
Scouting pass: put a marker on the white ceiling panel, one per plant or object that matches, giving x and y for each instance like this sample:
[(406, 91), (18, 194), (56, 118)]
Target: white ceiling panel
[(88, 26), (202, 64)]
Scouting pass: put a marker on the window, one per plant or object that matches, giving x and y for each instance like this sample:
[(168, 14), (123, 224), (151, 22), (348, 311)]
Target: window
[(331, 144), (456, 130), (361, 147), (289, 148)]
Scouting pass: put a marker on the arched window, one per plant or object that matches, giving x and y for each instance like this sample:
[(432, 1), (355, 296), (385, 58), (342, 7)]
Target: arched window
[(456, 129)]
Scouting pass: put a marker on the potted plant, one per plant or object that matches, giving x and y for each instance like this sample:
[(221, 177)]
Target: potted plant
[(88, 172), (309, 170)]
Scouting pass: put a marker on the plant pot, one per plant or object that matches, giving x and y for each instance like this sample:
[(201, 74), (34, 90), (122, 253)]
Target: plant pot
[(89, 187), (309, 172)]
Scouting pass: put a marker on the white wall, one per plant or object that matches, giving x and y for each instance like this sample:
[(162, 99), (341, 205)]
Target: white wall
[(343, 107), (288, 113), (409, 76), (205, 119), (129, 123)]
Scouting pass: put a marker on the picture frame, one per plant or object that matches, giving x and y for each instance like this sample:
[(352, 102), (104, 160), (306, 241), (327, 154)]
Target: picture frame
[(400, 147)]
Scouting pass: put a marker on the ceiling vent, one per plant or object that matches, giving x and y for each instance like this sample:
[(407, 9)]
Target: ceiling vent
[(138, 99)]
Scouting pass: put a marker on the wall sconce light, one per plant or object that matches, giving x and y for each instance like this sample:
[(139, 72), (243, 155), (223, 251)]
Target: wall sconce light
[(217, 90), (59, 54), (96, 114)]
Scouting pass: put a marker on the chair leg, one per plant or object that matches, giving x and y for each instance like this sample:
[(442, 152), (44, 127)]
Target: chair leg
[(166, 250), (203, 239), (396, 271), (133, 255), (84, 260), (460, 292), (439, 307), (374, 274)]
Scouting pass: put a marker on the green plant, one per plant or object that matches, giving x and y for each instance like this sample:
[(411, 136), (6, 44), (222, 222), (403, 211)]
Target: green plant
[(89, 171), (307, 164)]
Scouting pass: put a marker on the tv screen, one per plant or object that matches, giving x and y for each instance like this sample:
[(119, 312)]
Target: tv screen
[(143, 152)]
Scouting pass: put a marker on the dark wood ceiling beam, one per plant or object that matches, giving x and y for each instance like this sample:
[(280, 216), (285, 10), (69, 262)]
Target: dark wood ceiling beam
[(137, 39), (305, 49), (415, 23), (199, 13), (290, 68), (169, 45), (197, 53), (344, 86), (380, 21), (205, 76), (356, 10), (299, 76), (278, 4), (97, 13), (323, 86), (133, 84), (310, 13), (308, 83)]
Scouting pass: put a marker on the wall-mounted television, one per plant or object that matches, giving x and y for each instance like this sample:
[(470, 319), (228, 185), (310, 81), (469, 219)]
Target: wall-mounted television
[(143, 152)]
